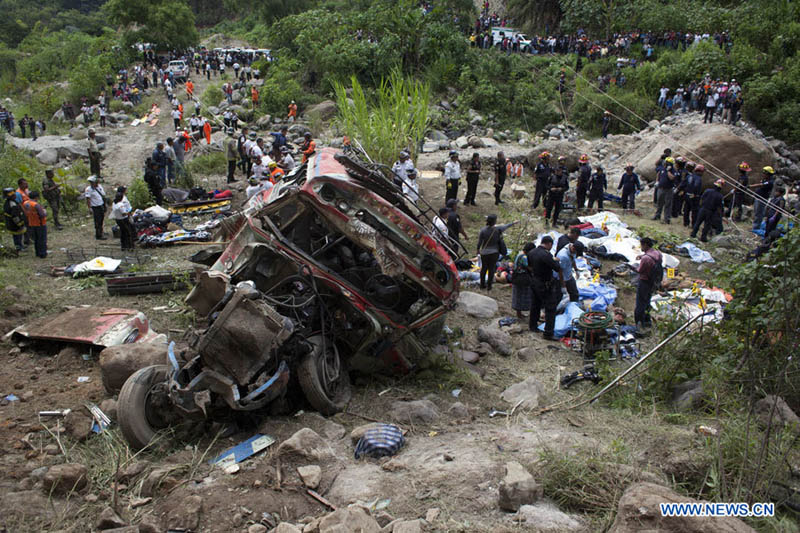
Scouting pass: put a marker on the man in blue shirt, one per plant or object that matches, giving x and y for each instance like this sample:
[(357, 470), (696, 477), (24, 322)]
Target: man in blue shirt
[(566, 260)]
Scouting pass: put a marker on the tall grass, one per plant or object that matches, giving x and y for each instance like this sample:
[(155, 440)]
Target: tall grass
[(395, 119)]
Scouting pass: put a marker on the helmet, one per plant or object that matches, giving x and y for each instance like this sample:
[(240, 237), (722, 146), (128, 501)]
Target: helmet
[(629, 166), (719, 183), (453, 153), (284, 149), (272, 164), (252, 135), (562, 158), (690, 165), (583, 158), (229, 131), (680, 160), (8, 191), (744, 167), (544, 155), (699, 169), (90, 131), (769, 170), (670, 160), (307, 135)]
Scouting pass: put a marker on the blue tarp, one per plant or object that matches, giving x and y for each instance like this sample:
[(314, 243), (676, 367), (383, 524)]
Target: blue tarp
[(564, 320), (697, 255), (603, 295)]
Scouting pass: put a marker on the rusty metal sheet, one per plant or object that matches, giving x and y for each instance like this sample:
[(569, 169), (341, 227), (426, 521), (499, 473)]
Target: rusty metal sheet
[(98, 326)]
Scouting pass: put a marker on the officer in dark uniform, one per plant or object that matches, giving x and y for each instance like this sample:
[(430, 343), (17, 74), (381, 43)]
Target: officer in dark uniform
[(629, 183), (473, 176), (680, 180), (584, 176), (710, 206), (542, 174), (500, 172), (691, 193), (597, 187), (559, 183), (544, 286)]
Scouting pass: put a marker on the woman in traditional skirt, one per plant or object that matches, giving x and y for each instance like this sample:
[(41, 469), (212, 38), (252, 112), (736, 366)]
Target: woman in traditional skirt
[(521, 283)]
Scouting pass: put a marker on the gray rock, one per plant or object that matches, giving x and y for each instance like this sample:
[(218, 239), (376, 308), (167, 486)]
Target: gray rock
[(462, 142), (477, 305), (518, 488), (459, 411), (726, 241), (264, 122), (214, 110), (311, 475), (237, 96), (47, 157), (286, 527), (64, 478), (688, 395), (305, 443), (546, 517), (498, 339), (436, 135), (109, 520), (325, 110), (653, 124), (781, 417), (354, 518), (525, 393), (414, 412), (793, 171), (444, 104), (109, 407), (430, 147), (476, 142), (187, 514), (665, 129), (58, 116), (488, 142), (257, 528), (476, 119), (555, 133), (467, 356), (527, 353), (117, 363)]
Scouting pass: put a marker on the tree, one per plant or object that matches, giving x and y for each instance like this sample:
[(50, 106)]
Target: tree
[(544, 15), (167, 24)]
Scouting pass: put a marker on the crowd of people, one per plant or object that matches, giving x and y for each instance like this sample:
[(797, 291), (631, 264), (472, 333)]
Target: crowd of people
[(707, 97)]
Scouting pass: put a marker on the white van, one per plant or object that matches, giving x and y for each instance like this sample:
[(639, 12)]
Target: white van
[(179, 70)]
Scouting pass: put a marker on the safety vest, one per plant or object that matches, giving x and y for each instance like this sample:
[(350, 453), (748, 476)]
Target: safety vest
[(34, 220), (276, 175)]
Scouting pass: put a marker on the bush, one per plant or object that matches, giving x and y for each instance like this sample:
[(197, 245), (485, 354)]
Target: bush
[(139, 194), (213, 95), (281, 86), (208, 164)]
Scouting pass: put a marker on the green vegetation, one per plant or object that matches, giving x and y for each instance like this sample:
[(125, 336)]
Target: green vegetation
[(139, 195), (211, 163), (167, 24), (395, 120)]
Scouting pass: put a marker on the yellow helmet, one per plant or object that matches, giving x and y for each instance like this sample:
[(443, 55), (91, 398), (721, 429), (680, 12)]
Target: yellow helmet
[(670, 160), (769, 170)]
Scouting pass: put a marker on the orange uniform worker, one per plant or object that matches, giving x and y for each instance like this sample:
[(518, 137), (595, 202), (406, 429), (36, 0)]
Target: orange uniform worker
[(37, 223), (292, 112), (180, 108), (276, 173), (190, 88), (187, 141), (308, 147), (254, 95), (207, 131)]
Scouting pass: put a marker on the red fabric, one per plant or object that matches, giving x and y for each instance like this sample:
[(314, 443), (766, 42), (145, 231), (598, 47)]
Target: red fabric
[(223, 194), (585, 225)]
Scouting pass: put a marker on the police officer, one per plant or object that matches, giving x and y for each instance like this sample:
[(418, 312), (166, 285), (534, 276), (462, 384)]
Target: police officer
[(52, 193), (692, 189), (665, 183), (473, 176), (584, 177), (500, 174), (597, 187), (738, 194), (629, 183), (559, 183), (710, 206), (542, 174), (544, 287), (680, 181), (452, 176)]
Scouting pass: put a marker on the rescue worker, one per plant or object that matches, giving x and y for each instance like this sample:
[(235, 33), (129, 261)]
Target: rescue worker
[(206, 130), (710, 206), (559, 183), (275, 172), (764, 191), (629, 183), (544, 287), (500, 174), (14, 217), (665, 184), (738, 194), (292, 116), (96, 202), (52, 193), (773, 215), (452, 176), (606, 124), (597, 187), (36, 217), (231, 154), (402, 167), (94, 154), (692, 190), (542, 174), (454, 227), (308, 147), (584, 177), (473, 177)]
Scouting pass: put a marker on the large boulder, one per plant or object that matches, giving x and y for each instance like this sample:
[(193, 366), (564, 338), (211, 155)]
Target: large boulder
[(556, 149), (477, 305), (525, 393), (773, 410), (498, 339), (48, 156), (518, 488), (436, 135), (117, 363), (324, 110), (65, 478), (639, 511), (716, 145)]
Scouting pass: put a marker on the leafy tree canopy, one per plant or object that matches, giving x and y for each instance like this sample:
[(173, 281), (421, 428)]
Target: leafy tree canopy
[(168, 24)]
